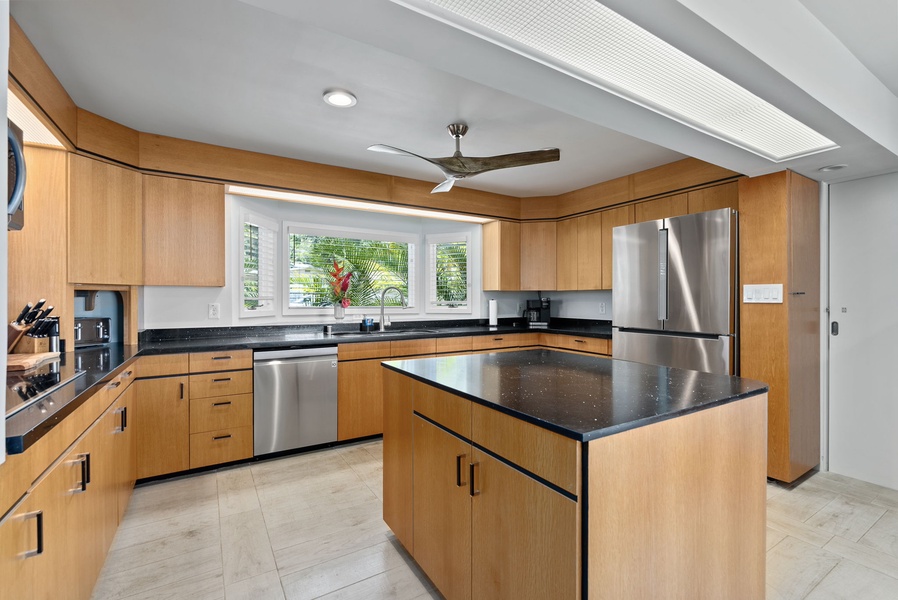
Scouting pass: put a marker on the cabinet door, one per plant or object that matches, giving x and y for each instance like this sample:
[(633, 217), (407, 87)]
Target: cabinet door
[(184, 226), (567, 254), (589, 252), (661, 208), (525, 536), (442, 509), (162, 425), (125, 450), (538, 256), (105, 232), (611, 219), (713, 198), (501, 256), (360, 402), (398, 476)]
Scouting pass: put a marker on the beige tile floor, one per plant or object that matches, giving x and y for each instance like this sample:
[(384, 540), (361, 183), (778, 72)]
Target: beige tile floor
[(309, 526)]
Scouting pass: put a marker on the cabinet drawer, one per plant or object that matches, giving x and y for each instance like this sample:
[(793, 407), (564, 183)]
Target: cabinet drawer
[(455, 344), (224, 445), (230, 360), (412, 347), (364, 350), (160, 365), (221, 412), (581, 344), (227, 383), (451, 411), (504, 340)]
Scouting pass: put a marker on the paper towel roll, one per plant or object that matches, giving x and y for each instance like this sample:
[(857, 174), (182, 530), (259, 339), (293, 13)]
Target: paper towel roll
[(494, 313)]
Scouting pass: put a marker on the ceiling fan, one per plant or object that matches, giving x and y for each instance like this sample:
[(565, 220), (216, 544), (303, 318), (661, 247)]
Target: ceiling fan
[(459, 167)]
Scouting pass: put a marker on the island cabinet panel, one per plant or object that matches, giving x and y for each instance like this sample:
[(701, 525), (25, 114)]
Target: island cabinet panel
[(538, 256), (447, 409), (526, 536), (184, 232), (162, 425), (105, 232), (398, 450), (501, 256), (690, 523), (442, 509), (360, 402)]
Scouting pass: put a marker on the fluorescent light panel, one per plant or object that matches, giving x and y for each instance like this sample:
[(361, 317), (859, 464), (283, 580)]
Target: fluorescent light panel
[(591, 42), (352, 204), (33, 131)]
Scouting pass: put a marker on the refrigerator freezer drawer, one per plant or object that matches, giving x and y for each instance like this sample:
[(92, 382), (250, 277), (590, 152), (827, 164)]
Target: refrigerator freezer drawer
[(711, 355)]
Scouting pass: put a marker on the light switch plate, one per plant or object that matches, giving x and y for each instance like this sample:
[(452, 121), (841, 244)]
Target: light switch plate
[(765, 293)]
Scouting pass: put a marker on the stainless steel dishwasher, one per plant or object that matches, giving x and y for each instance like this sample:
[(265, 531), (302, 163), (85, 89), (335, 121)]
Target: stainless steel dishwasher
[(294, 399)]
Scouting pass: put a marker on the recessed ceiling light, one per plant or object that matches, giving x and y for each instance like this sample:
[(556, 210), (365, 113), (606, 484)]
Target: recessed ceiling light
[(831, 168), (591, 42), (340, 98)]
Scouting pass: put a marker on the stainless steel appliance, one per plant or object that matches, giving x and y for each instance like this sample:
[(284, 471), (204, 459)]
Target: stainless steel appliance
[(26, 388), (537, 313), (91, 331), (674, 294), (15, 201), (294, 399)]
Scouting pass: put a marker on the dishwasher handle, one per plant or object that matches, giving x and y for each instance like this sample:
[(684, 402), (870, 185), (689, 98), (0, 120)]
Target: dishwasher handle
[(298, 353)]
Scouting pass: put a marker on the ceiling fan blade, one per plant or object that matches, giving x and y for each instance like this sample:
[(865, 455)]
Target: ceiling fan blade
[(393, 150), (473, 165), (444, 187)]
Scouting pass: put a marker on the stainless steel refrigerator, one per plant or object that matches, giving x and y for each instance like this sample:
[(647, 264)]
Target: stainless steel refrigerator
[(674, 300)]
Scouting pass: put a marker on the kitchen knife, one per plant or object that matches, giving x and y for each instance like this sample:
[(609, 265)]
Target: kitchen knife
[(22, 314), (31, 317), (46, 312), (41, 329), (35, 326), (40, 304)]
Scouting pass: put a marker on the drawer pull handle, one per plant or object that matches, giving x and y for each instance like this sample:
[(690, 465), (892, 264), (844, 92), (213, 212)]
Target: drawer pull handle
[(113, 385), (81, 486), (38, 516), (221, 403), (458, 470), (221, 380), (474, 490), (498, 339), (221, 358), (127, 374), (580, 341), (221, 437), (124, 418), (182, 391)]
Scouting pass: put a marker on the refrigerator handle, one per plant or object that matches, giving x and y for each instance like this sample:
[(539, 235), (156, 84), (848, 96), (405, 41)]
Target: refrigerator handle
[(662, 275)]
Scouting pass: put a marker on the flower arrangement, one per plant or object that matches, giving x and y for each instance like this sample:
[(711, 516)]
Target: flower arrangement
[(340, 282)]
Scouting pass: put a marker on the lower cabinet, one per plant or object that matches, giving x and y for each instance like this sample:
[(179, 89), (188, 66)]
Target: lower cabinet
[(162, 413), (360, 399)]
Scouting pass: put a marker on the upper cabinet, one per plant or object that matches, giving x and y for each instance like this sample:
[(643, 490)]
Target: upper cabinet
[(578, 253), (611, 219), (713, 198), (184, 232), (501, 256), (661, 208), (105, 230), (538, 256)]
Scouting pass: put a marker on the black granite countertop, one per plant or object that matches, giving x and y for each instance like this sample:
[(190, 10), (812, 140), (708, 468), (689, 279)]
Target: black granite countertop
[(103, 363), (581, 397)]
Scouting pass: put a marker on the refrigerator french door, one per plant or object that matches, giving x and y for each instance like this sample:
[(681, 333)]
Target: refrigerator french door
[(673, 292)]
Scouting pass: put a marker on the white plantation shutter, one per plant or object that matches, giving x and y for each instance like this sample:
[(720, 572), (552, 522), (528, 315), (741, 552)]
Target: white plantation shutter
[(258, 280), (449, 282)]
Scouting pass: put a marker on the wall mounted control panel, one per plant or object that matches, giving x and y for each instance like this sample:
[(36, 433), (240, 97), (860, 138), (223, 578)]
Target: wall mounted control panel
[(766, 293)]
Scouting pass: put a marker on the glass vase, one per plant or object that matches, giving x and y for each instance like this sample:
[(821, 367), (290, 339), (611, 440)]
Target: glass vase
[(339, 311)]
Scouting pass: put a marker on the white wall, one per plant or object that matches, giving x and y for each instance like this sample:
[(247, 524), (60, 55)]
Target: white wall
[(176, 307), (4, 65)]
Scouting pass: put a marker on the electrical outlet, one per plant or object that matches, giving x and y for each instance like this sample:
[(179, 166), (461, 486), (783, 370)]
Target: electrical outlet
[(214, 310), (601, 308)]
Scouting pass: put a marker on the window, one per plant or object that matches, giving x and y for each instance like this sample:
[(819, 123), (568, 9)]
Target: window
[(449, 286), (257, 276), (377, 260)]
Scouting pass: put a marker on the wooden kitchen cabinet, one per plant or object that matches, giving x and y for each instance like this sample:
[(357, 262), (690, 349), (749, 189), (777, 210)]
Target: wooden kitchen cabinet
[(501, 256), (125, 450), (481, 343), (578, 253), (566, 254), (714, 198), (398, 449), (162, 425), (360, 398), (105, 235), (661, 208), (612, 218), (184, 232), (538, 255)]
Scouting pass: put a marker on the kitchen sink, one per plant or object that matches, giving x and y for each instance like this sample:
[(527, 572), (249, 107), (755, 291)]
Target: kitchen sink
[(387, 332)]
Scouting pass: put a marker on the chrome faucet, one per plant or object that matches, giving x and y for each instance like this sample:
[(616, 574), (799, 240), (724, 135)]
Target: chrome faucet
[(383, 295)]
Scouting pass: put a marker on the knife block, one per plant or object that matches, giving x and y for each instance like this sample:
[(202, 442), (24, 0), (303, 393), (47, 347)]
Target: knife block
[(13, 333), (32, 345)]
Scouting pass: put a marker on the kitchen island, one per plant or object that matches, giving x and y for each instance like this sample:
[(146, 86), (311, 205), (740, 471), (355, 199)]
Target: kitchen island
[(544, 474)]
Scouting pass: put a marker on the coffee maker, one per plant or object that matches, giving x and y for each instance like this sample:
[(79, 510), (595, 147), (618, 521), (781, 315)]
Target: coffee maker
[(537, 313)]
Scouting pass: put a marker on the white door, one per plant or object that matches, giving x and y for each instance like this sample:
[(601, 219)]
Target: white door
[(863, 373)]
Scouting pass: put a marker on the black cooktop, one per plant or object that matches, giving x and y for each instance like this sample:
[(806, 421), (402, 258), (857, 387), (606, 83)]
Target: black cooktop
[(25, 388)]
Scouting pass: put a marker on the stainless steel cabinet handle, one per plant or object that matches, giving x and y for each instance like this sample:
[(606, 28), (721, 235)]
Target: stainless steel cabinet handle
[(81, 486), (834, 328), (124, 418), (474, 490), (38, 516), (662, 275), (458, 470), (78, 332), (113, 385), (127, 374)]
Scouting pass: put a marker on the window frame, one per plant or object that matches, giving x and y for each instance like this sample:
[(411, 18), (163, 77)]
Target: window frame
[(252, 217), (293, 227), (430, 240)]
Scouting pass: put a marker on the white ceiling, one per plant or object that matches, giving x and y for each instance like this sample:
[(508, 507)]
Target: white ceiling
[(250, 73)]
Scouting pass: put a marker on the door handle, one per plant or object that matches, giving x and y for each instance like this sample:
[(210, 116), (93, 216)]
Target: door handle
[(474, 491), (458, 470), (38, 516), (834, 328), (662, 275)]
